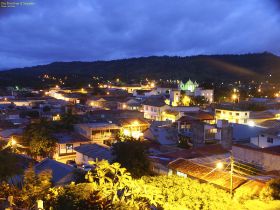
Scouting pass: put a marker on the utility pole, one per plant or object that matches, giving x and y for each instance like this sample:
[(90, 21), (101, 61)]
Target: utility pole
[(231, 174)]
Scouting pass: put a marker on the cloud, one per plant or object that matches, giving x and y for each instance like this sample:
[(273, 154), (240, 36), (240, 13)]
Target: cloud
[(87, 30)]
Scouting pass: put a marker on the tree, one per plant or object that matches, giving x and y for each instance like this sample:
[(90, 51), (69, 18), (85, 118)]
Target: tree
[(9, 165), (132, 155), (271, 190), (35, 187), (198, 100), (39, 139)]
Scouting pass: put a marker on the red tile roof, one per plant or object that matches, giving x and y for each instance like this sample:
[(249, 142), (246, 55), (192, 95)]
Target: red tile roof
[(206, 174)]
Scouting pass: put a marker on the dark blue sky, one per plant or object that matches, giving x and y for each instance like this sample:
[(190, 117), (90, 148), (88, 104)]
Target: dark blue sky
[(87, 30)]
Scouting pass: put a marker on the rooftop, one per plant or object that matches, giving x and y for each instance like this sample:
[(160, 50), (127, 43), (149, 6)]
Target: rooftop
[(269, 150), (205, 173), (95, 151), (67, 137), (60, 171)]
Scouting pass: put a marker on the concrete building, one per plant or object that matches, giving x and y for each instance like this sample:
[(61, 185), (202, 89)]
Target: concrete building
[(207, 93), (92, 152), (154, 108), (266, 158), (233, 116)]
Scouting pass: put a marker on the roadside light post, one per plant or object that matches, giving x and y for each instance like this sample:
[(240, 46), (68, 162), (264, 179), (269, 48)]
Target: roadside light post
[(231, 174)]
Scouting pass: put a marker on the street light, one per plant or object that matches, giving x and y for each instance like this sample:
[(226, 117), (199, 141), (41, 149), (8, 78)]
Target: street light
[(219, 165)]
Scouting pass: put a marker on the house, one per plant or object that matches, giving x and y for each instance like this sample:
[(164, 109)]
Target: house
[(267, 138), (232, 115), (154, 107), (106, 132), (7, 134), (207, 93), (133, 127), (171, 115), (66, 142), (203, 173), (110, 115), (162, 134), (163, 155), (99, 132), (267, 158), (129, 104), (92, 152), (62, 174)]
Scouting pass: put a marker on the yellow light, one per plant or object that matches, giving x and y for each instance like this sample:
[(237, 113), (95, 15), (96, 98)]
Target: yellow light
[(107, 93), (13, 142), (135, 123), (234, 96), (124, 106), (152, 85), (259, 90), (251, 123), (126, 132), (219, 165)]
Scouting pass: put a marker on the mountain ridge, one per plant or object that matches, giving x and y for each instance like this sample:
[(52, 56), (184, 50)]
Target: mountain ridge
[(253, 66)]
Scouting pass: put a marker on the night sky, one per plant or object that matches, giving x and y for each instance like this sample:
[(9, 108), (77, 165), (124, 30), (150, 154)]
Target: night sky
[(88, 30)]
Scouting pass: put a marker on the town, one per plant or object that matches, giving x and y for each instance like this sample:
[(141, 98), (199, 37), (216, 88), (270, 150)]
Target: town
[(139, 105), (154, 128)]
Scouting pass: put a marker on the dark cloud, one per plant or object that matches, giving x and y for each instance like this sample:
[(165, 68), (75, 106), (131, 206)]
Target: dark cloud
[(67, 30)]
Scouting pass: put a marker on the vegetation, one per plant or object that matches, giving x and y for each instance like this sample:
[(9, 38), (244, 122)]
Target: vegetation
[(132, 154), (38, 137), (221, 68), (109, 186)]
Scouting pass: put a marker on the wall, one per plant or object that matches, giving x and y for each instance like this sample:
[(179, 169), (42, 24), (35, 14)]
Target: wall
[(268, 161), (262, 141)]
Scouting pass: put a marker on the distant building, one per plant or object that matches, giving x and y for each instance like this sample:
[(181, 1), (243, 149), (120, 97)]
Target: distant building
[(233, 116), (267, 138), (188, 86), (266, 158), (65, 145), (154, 108), (207, 93)]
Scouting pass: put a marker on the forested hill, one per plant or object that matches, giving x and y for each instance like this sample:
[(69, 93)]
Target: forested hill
[(205, 67)]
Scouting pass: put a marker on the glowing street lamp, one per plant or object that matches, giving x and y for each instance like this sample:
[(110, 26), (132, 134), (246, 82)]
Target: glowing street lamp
[(219, 165)]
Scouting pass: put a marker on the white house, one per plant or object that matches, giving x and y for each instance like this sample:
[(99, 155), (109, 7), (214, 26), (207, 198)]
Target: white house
[(154, 108), (268, 138)]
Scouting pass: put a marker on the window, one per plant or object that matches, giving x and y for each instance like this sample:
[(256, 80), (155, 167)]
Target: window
[(237, 114), (269, 140), (69, 148)]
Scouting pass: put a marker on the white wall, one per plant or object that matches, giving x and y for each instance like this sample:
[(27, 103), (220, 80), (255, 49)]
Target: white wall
[(262, 141)]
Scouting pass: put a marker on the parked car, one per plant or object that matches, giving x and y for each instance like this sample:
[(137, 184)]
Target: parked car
[(71, 163)]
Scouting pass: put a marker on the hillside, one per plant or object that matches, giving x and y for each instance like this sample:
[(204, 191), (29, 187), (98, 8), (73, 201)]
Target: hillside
[(211, 68)]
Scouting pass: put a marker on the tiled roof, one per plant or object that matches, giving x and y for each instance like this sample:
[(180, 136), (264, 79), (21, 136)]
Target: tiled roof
[(261, 115), (270, 123), (208, 150), (101, 152), (60, 171), (200, 115), (207, 174), (269, 150), (158, 102), (130, 121), (67, 137)]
